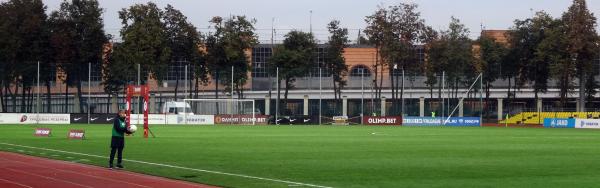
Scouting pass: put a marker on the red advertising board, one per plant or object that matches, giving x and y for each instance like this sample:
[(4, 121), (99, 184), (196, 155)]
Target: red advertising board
[(46, 132), (382, 120), (76, 134), (241, 119)]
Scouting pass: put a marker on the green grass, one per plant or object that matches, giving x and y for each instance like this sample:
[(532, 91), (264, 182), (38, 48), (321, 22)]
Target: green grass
[(342, 156)]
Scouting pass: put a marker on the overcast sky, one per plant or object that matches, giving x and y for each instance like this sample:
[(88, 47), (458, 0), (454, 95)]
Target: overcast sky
[(295, 14)]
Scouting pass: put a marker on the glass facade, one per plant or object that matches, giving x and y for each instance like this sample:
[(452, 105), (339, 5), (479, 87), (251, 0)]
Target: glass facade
[(177, 71), (260, 58)]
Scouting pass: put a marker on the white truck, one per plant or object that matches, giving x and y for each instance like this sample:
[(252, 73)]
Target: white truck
[(175, 107)]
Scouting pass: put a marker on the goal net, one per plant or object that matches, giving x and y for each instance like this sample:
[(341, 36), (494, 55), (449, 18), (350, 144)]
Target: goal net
[(226, 111)]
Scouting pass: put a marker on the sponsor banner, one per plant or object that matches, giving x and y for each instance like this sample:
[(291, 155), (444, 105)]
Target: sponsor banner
[(559, 122), (240, 119), (76, 134), (382, 120), (463, 121), (6, 118), (340, 120), (196, 119), (32, 118), (453, 121), (94, 118), (46, 132), (153, 119), (295, 120), (421, 121), (587, 123)]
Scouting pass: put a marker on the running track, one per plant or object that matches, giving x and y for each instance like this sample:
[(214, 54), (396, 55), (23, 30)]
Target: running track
[(20, 171)]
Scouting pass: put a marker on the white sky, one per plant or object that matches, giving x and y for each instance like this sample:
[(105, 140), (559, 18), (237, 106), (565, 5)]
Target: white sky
[(288, 14)]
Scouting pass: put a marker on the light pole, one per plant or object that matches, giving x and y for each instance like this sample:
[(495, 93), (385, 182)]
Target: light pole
[(395, 74), (362, 94), (310, 21)]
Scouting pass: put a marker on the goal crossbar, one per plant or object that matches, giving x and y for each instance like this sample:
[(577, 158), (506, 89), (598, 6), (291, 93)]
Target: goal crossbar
[(231, 101)]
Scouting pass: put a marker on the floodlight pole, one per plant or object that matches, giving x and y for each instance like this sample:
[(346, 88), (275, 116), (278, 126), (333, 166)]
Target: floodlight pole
[(362, 95), (139, 81), (89, 90), (443, 100), (481, 100), (402, 92), (320, 95), (185, 84), (37, 109), (277, 105), (232, 82)]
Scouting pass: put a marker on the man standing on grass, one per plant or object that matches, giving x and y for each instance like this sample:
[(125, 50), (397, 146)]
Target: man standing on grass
[(117, 142)]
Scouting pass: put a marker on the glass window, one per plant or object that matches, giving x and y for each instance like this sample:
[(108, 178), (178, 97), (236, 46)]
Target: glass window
[(260, 58), (360, 70)]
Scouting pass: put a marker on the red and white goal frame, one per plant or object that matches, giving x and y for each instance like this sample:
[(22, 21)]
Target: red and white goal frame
[(135, 91)]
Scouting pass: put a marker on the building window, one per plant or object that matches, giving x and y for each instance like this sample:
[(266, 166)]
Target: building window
[(260, 58), (320, 62), (360, 70), (177, 71), (96, 74)]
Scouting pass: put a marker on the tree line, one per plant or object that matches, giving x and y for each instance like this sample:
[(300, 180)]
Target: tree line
[(539, 49)]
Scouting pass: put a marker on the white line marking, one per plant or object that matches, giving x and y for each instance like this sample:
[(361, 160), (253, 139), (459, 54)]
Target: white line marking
[(15, 183), (177, 167), (46, 177), (79, 173)]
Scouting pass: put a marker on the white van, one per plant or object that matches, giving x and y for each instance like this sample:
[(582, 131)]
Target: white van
[(174, 107)]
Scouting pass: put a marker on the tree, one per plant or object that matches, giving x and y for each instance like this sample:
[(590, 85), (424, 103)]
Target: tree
[(80, 26), (452, 54), (580, 25), (226, 49), (294, 59), (145, 40), (184, 42), (336, 62), (24, 42), (531, 60), (396, 31), (491, 54)]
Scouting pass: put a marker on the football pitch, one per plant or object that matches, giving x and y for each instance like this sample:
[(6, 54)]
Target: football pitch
[(335, 156)]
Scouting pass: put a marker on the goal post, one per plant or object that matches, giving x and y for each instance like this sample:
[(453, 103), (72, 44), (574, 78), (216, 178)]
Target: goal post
[(234, 111), (479, 80)]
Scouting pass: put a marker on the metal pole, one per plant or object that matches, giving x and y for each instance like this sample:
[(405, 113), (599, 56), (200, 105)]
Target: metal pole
[(139, 82), (320, 95), (89, 89), (232, 83), (311, 24), (481, 100), (402, 94), (443, 92), (277, 105), (362, 95), (37, 109), (185, 86)]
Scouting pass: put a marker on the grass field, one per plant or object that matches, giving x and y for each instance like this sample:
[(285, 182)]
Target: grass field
[(338, 156)]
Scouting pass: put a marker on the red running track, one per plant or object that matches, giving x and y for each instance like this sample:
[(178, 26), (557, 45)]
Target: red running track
[(20, 171)]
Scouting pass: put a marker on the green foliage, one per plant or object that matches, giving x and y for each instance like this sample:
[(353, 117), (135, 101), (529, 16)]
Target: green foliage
[(226, 49), (395, 31), (77, 38), (335, 61), (294, 58), (144, 40), (184, 41), (24, 40), (580, 26), (452, 53)]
